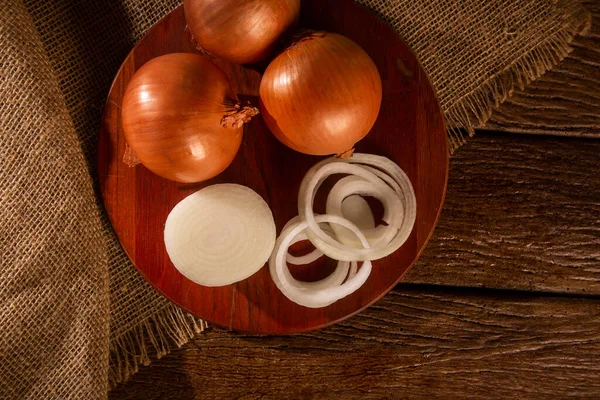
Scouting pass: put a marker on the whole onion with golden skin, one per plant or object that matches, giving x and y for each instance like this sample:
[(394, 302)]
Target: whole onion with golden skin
[(240, 31), (182, 119), (321, 95)]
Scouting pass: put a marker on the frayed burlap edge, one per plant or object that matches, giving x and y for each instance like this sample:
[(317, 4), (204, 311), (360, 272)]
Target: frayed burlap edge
[(172, 327), (475, 108)]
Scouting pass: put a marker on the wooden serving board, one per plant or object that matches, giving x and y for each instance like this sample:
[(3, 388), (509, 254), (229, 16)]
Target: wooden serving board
[(409, 130)]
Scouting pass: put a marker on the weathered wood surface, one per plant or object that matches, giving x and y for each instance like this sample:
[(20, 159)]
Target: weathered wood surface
[(564, 101), (415, 343), (521, 212)]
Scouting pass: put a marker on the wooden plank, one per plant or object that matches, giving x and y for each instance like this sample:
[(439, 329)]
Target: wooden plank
[(566, 100), (412, 344), (521, 212)]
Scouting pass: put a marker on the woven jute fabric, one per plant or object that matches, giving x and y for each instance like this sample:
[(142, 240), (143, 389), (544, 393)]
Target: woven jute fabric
[(54, 292), (477, 52), (75, 316)]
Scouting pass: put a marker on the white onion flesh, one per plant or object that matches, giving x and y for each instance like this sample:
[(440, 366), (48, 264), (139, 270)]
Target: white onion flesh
[(353, 208), (225, 233), (352, 185), (406, 193), (313, 294), (384, 177), (395, 188), (357, 210), (309, 257), (335, 278), (220, 235), (347, 232), (353, 269), (306, 258)]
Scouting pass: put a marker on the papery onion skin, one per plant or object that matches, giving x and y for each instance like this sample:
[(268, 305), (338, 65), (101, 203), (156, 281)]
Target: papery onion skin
[(240, 31), (321, 95), (173, 113)]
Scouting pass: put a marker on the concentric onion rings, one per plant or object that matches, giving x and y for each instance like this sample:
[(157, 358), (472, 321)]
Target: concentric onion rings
[(335, 248), (298, 291)]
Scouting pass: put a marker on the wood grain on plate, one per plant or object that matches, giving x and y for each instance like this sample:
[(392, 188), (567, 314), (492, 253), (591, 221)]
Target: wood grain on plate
[(410, 130), (414, 343)]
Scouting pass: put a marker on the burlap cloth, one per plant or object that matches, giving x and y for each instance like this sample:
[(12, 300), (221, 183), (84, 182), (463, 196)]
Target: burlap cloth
[(75, 316)]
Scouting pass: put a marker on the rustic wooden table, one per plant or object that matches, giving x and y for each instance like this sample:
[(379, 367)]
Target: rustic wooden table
[(504, 302)]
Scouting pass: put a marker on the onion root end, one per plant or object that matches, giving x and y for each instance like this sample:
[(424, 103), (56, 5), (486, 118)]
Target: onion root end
[(129, 157), (345, 154)]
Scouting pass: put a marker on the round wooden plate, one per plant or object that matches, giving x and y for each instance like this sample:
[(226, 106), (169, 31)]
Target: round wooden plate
[(409, 130)]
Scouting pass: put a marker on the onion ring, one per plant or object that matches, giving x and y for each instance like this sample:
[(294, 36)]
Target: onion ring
[(292, 288)]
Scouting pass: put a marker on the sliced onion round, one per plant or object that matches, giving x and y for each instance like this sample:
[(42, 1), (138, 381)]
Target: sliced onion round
[(353, 269), (355, 209), (220, 235), (309, 257), (406, 193)]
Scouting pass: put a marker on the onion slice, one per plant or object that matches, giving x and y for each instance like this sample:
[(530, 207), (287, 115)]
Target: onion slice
[(309, 257), (401, 190), (220, 235), (352, 185), (353, 208), (356, 209), (315, 296), (334, 279)]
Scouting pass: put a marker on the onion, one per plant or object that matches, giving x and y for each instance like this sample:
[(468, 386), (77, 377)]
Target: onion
[(353, 269), (321, 95), (399, 217), (347, 232), (313, 255), (182, 119), (220, 235), (319, 294), (353, 208), (239, 31), (350, 185), (356, 209), (336, 278)]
